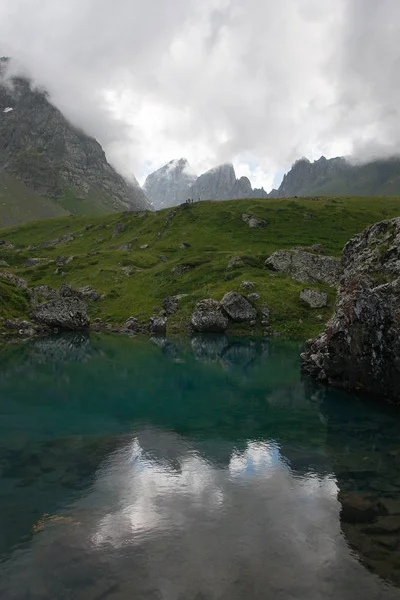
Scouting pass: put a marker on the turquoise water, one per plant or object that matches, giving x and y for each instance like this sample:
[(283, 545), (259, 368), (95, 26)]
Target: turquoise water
[(203, 469)]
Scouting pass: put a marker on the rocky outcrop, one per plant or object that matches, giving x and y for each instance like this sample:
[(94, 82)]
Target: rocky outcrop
[(254, 222), (40, 148), (314, 298), (305, 267), (171, 184), (360, 347), (209, 318), (238, 308), (66, 310)]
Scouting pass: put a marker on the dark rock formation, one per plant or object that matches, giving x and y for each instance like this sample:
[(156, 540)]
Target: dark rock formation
[(360, 347), (238, 308), (305, 267), (40, 148), (64, 309), (209, 318)]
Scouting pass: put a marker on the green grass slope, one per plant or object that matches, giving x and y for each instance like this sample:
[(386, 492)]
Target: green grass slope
[(136, 281)]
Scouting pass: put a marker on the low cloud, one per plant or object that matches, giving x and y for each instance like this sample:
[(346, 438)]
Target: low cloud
[(216, 81)]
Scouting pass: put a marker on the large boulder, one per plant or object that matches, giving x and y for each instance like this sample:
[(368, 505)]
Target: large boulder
[(238, 308), (314, 298), (360, 347), (66, 312), (209, 318), (306, 267)]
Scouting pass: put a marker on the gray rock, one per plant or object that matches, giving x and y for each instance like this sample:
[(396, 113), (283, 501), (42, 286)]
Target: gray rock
[(208, 317), (306, 267), (247, 285), (89, 293), (314, 298), (254, 222), (253, 297), (125, 247), (4, 263), (170, 185), (163, 258), (36, 262), (184, 246), (131, 325), (68, 237), (236, 262), (144, 246), (118, 229), (238, 308), (317, 248), (67, 313), (158, 325), (42, 293), (13, 279), (360, 347), (181, 269)]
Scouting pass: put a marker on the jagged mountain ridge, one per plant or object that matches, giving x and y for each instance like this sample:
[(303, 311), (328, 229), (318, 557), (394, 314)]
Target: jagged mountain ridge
[(173, 183), (170, 184), (41, 149), (338, 176)]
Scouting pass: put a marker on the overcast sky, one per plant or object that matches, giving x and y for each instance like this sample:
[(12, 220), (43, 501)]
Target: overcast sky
[(256, 82)]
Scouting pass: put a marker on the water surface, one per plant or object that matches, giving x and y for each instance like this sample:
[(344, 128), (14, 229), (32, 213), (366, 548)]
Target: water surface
[(197, 470)]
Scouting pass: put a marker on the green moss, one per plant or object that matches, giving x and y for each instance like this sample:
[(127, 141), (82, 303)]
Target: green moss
[(137, 281)]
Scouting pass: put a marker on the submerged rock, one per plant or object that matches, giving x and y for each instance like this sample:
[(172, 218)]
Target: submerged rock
[(238, 308), (360, 347), (305, 267), (209, 318)]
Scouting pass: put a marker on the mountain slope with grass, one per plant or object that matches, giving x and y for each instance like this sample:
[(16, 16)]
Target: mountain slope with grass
[(42, 154), (136, 260)]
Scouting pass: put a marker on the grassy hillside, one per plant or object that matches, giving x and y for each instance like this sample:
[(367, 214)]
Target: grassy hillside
[(136, 280)]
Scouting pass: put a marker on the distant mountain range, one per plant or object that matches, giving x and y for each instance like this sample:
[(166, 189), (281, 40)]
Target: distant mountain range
[(340, 177), (175, 182), (47, 166)]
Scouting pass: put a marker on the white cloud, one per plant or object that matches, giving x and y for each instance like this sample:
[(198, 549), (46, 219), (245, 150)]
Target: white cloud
[(219, 80)]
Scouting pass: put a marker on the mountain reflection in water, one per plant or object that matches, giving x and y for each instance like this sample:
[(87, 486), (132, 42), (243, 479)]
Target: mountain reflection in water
[(132, 469)]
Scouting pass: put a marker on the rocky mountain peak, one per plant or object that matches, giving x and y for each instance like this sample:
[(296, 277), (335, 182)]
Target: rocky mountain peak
[(170, 184), (40, 148)]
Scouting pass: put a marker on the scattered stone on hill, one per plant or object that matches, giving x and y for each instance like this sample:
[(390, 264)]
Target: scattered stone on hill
[(305, 267), (6, 245), (131, 325), (253, 297), (4, 263), (163, 258), (314, 298), (209, 318), (17, 281), (238, 308), (68, 237), (118, 229), (358, 509), (181, 269), (24, 328), (36, 262), (170, 304), (66, 313), (247, 285), (127, 271), (125, 247), (254, 222), (89, 293), (184, 246), (265, 315), (236, 262), (144, 246), (158, 325), (360, 347)]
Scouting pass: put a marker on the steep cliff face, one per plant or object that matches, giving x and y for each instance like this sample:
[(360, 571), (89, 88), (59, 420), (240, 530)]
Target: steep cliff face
[(170, 185), (339, 177), (41, 149), (175, 182), (360, 347)]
